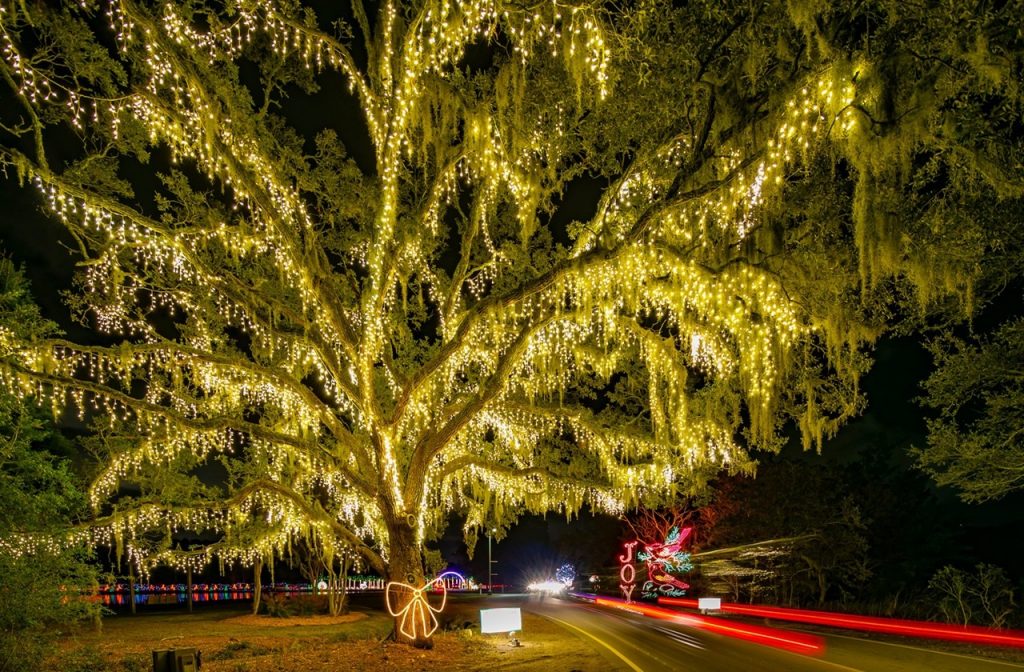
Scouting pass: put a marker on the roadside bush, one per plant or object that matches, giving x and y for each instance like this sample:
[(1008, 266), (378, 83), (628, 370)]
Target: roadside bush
[(86, 659), (308, 605), (276, 605), (279, 605), (41, 597), (42, 591)]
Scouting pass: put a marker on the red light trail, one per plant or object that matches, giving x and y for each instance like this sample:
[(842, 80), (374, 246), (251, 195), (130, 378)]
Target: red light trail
[(795, 642), (895, 626)]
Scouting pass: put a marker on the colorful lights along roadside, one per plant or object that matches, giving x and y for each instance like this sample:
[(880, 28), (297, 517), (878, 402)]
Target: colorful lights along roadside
[(894, 626)]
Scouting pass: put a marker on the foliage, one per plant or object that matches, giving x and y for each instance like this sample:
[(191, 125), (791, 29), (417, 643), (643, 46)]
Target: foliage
[(277, 605), (910, 531), (653, 525), (321, 562), (797, 534), (92, 659), (976, 442), (984, 597), (47, 590), (746, 572), (367, 340)]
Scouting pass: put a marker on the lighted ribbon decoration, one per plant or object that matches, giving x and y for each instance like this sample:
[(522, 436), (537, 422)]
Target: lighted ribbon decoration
[(417, 611)]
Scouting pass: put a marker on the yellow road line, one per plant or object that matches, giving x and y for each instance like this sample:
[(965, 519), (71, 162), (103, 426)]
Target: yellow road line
[(994, 661), (600, 641)]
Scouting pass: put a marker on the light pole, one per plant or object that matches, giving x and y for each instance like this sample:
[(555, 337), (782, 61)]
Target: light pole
[(490, 590)]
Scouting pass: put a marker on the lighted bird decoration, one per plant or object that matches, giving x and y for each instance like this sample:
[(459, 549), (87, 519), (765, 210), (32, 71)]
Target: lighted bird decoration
[(666, 559)]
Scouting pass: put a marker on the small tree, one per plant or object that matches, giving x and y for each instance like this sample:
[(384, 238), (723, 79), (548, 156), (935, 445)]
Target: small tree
[(976, 442), (744, 573), (653, 525), (984, 596), (51, 586), (329, 560), (951, 585)]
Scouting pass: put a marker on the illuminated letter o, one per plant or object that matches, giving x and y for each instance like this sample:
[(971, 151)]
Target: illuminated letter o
[(632, 573)]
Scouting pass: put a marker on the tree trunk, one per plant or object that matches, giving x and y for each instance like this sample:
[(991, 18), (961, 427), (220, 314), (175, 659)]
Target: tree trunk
[(257, 585), (131, 587), (405, 565), (190, 589), (336, 596)]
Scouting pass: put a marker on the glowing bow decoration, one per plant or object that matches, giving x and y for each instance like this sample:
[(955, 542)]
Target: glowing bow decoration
[(417, 615)]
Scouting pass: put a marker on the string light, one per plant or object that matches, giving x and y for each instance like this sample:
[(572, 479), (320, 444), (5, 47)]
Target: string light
[(415, 615), (279, 365)]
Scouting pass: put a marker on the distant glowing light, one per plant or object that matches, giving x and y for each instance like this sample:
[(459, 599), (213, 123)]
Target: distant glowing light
[(549, 586), (453, 580)]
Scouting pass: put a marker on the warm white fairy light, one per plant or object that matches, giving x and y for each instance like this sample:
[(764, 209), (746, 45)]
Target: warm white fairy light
[(341, 442), (415, 614)]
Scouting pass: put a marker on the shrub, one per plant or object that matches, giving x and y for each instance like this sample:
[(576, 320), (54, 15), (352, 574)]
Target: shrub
[(276, 605), (984, 597)]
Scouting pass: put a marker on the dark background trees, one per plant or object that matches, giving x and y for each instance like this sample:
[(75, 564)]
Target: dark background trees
[(51, 587)]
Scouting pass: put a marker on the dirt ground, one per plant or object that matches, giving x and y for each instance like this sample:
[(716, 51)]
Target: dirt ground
[(231, 641)]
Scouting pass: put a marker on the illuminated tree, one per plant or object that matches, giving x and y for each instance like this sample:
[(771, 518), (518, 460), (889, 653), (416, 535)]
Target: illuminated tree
[(362, 348)]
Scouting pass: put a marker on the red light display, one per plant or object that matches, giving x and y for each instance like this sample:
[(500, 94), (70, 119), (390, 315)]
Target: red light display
[(627, 573), (894, 626), (795, 642)]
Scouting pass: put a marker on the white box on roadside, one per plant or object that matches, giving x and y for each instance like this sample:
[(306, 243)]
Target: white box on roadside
[(709, 603), (508, 619)]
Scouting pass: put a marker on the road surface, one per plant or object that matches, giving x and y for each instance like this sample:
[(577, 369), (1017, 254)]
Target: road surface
[(641, 644)]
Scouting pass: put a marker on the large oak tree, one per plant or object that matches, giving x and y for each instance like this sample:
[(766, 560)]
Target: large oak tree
[(367, 346)]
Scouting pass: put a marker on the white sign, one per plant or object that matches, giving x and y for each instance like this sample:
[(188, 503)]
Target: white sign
[(500, 620), (709, 603)]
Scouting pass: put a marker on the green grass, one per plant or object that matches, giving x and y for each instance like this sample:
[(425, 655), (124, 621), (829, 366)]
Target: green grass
[(150, 627), (239, 649)]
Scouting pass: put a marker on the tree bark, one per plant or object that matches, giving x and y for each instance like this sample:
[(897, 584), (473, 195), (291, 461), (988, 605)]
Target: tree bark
[(131, 587), (336, 596), (257, 585), (405, 565)]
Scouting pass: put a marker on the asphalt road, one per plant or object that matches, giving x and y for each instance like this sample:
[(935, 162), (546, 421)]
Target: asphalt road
[(641, 644)]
